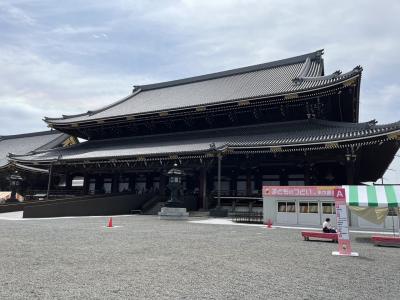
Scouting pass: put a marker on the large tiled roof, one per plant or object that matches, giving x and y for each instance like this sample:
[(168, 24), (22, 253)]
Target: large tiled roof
[(293, 134), (25, 143), (286, 76)]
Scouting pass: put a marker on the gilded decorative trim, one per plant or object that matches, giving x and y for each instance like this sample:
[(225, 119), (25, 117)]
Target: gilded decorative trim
[(291, 96)]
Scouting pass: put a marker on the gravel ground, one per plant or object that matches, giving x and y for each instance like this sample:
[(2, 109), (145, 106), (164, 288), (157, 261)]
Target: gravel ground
[(147, 258)]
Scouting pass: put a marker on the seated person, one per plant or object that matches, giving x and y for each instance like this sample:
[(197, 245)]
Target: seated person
[(326, 226)]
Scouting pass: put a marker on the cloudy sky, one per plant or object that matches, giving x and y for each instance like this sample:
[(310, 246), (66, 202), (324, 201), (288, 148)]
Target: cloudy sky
[(65, 57)]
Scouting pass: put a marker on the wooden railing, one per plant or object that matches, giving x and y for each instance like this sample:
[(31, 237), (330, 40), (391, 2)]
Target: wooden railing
[(248, 217), (235, 193)]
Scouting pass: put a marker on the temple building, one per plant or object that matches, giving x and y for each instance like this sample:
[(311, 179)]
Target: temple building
[(279, 123), (34, 178)]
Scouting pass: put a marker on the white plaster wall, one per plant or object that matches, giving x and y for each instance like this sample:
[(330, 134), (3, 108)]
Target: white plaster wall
[(286, 218)]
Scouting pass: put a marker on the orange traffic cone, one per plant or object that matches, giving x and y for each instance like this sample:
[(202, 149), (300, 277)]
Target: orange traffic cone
[(269, 223), (110, 222)]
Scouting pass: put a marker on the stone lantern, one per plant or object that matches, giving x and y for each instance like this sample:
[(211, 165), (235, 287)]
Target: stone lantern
[(15, 185), (174, 208), (175, 184)]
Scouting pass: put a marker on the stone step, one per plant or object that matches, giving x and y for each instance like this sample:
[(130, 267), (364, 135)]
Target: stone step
[(199, 214), (173, 213)]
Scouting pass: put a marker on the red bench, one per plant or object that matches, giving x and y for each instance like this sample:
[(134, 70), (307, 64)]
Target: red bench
[(319, 235), (386, 241)]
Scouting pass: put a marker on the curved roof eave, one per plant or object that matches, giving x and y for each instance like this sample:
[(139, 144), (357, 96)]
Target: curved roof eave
[(316, 55), (360, 136), (226, 147), (356, 72), (91, 112)]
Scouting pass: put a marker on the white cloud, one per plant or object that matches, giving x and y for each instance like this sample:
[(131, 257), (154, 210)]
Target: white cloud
[(172, 39), (33, 87), (14, 15), (392, 174), (381, 103), (100, 36), (73, 30), (71, 56)]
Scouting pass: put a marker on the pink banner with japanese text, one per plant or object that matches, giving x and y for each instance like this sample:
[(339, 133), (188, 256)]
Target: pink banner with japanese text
[(342, 222), (298, 191)]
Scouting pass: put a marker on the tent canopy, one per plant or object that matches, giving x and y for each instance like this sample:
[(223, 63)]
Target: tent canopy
[(372, 202), (373, 196)]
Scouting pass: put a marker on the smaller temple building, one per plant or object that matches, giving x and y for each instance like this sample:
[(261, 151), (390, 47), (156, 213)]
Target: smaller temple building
[(33, 178)]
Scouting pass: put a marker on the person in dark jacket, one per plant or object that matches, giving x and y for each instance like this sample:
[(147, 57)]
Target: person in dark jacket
[(327, 227)]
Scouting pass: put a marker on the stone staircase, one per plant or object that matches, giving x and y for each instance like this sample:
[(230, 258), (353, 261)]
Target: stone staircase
[(153, 205), (155, 209)]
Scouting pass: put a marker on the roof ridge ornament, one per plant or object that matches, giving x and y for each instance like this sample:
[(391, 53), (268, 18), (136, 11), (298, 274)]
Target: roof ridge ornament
[(372, 123), (305, 68), (335, 75), (303, 71)]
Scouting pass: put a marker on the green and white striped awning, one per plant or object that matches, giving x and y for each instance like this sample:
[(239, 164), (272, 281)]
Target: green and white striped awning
[(372, 196)]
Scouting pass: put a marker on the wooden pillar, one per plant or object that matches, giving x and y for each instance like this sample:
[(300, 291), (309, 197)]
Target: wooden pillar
[(219, 181), (203, 187), (132, 182), (209, 181), (86, 182), (284, 177), (308, 174), (99, 184), (248, 182), (350, 173), (233, 184), (115, 183), (49, 181), (350, 168), (149, 181), (190, 184), (163, 183), (258, 182), (68, 181)]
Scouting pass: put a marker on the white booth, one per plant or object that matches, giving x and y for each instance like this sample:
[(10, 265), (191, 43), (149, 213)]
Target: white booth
[(298, 205), (311, 205)]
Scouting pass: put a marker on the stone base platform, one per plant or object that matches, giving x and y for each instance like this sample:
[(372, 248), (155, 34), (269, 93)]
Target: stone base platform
[(218, 212), (173, 213)]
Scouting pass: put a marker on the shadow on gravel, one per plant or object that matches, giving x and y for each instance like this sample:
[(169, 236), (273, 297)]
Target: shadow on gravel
[(365, 258), (320, 241), (364, 240)]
